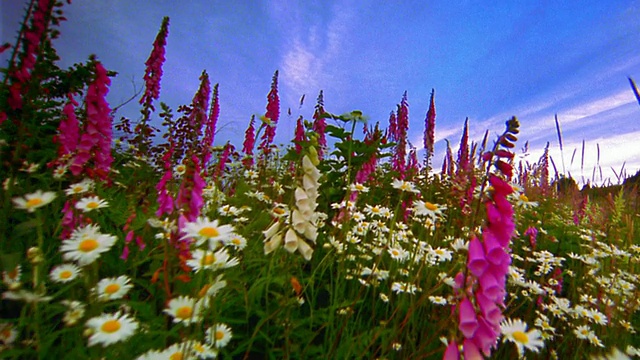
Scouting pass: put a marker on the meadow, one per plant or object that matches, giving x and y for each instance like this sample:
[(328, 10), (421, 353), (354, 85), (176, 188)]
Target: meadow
[(121, 239)]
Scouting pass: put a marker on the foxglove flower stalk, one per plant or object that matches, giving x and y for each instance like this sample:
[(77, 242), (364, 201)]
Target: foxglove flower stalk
[(210, 130), (429, 129), (483, 290), (224, 159), (249, 143), (320, 125), (302, 222), (299, 135), (190, 194), (272, 115), (165, 200), (402, 125), (153, 71), (68, 130), (95, 142), (31, 38)]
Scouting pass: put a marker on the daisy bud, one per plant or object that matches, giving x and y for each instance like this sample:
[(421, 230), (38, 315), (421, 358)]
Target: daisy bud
[(34, 254)]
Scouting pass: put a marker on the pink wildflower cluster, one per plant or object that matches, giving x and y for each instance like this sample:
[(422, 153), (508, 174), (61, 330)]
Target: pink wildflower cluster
[(165, 200), (272, 115), (153, 72), (482, 289), (95, 142)]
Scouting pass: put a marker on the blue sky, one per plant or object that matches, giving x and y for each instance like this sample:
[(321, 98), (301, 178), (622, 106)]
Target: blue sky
[(526, 58)]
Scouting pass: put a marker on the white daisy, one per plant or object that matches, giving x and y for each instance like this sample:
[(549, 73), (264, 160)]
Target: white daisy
[(430, 210), (516, 332), (180, 169), (80, 188), (8, 333), (31, 202), (398, 253), (237, 241), (219, 335), (91, 203), (75, 311), (438, 300), (204, 230), (12, 278), (86, 244), (184, 309), (404, 186), (207, 259), (64, 273), (113, 288), (109, 329)]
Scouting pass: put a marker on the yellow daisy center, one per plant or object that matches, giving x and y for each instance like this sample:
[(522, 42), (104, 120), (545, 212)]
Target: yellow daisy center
[(92, 205), (279, 211), (209, 232), (77, 189), (110, 326), (198, 348), (521, 337), (65, 274), (219, 335), (34, 202), (111, 289), (359, 187), (176, 356), (375, 210), (208, 259), (430, 206), (395, 252), (88, 245), (236, 241), (181, 168), (524, 198), (184, 312)]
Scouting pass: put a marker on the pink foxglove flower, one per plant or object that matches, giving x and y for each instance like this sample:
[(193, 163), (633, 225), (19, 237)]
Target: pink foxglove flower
[(429, 129), (153, 72), (320, 125), (272, 115), (249, 143), (95, 142)]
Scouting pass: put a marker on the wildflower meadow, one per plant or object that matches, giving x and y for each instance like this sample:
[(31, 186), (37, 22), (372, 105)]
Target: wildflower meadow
[(139, 239)]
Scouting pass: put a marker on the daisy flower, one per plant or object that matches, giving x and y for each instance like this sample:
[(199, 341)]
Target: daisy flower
[(8, 333), (523, 201), (183, 309), (357, 187), (31, 202), (438, 300), (180, 169), (237, 241), (86, 245), (516, 332), (404, 186), (398, 253), (219, 335), (64, 273), (113, 288), (422, 208), (91, 203), (75, 311), (12, 278), (109, 329), (59, 172), (207, 259), (204, 229), (80, 187)]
